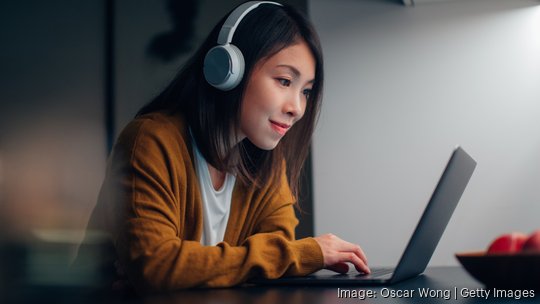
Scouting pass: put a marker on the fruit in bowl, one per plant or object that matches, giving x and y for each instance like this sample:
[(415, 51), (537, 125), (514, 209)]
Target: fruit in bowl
[(511, 260), (508, 243), (532, 244)]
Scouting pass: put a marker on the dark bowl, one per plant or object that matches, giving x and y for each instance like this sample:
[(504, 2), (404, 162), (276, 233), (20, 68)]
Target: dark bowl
[(509, 271)]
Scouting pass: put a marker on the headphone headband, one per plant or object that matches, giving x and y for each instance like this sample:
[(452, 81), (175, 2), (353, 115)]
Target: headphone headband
[(229, 27)]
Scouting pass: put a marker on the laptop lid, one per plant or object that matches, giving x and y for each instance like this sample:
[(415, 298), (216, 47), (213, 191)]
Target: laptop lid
[(436, 216)]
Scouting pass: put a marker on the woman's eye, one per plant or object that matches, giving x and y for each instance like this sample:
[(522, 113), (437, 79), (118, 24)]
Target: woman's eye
[(307, 93), (284, 82)]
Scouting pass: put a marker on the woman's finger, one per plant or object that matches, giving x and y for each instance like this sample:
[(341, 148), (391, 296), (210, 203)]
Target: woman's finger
[(360, 253), (353, 258), (356, 249)]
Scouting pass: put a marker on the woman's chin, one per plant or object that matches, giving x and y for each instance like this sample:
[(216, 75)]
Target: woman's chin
[(266, 145)]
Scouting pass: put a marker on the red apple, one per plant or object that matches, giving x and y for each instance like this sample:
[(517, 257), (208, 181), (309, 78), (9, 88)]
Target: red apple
[(508, 243), (533, 242)]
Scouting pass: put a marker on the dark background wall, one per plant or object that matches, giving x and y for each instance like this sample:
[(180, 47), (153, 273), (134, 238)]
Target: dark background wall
[(52, 131), (73, 73)]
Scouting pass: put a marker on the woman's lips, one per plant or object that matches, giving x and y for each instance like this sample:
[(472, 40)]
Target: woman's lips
[(279, 127)]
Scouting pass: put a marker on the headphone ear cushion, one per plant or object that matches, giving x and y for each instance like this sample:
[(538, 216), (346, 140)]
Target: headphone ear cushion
[(224, 67)]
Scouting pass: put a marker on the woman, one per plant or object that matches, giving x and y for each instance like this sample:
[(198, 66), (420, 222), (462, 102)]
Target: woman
[(201, 185)]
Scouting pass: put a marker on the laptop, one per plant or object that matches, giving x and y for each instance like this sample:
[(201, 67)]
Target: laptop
[(422, 243)]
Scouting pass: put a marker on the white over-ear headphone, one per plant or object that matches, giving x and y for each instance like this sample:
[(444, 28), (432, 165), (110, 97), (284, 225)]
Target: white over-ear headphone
[(224, 63)]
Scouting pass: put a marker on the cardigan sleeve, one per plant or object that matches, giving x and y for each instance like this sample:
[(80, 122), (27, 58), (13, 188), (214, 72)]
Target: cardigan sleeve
[(150, 243)]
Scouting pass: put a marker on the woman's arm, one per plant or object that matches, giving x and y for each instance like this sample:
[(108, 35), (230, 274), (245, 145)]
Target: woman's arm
[(158, 260)]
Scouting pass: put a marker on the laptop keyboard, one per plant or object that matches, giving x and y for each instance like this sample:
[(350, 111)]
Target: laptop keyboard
[(377, 272)]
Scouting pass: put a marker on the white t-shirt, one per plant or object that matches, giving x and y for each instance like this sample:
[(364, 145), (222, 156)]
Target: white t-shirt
[(216, 203)]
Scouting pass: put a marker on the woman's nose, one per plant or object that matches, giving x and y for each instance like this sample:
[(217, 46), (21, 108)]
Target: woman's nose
[(295, 106)]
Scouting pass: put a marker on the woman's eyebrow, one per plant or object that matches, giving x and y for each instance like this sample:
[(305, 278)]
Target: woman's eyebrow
[(293, 70)]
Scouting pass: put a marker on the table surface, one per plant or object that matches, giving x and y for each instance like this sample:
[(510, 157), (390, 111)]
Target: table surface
[(447, 285)]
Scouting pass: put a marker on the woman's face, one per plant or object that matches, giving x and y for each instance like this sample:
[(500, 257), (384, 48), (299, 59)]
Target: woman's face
[(276, 95)]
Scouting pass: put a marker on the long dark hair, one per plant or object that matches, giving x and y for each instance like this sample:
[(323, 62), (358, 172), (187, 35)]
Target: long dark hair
[(214, 116)]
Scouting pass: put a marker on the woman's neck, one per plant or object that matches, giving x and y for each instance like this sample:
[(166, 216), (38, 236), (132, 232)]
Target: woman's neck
[(217, 177)]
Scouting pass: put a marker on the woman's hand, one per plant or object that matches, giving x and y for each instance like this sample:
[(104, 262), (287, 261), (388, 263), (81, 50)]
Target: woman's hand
[(338, 252)]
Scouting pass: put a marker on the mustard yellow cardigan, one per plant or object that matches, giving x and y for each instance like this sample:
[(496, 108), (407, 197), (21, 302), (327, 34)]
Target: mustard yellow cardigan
[(150, 205)]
